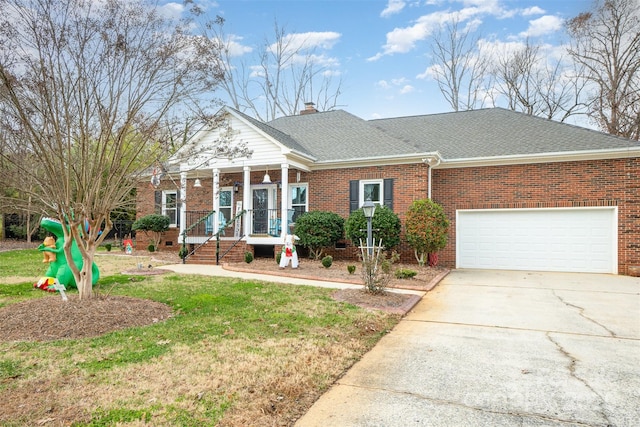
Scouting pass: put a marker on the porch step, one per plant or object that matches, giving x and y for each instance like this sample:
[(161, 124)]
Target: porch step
[(206, 254)]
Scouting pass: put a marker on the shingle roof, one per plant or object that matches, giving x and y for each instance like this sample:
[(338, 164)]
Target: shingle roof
[(495, 132), (338, 135)]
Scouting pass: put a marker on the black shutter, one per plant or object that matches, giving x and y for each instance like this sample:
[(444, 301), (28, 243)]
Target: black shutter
[(157, 208), (178, 208), (388, 193), (354, 188)]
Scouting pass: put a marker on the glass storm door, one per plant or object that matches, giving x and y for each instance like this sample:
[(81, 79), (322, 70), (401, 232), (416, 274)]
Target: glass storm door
[(260, 210)]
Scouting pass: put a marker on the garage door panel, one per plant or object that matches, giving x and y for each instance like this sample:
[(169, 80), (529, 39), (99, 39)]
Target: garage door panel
[(580, 239)]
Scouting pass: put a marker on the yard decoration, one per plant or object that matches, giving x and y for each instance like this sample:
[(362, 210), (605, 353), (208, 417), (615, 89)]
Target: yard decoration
[(49, 242), (289, 253), (59, 269)]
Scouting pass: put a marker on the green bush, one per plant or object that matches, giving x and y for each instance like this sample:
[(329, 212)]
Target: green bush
[(278, 257), (427, 228), (318, 230), (385, 224), (327, 261), (151, 247), (108, 246), (351, 269), (183, 252), (248, 257), (153, 226), (405, 273)]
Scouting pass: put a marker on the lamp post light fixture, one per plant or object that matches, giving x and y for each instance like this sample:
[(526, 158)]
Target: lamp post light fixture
[(369, 208)]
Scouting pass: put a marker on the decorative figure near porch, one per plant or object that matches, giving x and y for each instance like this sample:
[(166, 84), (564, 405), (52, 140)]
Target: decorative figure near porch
[(59, 271), (49, 242), (289, 252)]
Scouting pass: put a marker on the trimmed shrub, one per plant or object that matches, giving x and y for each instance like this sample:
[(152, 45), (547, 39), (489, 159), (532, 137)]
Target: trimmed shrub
[(327, 261), (318, 230), (248, 257), (351, 269), (183, 252), (405, 273), (151, 248), (385, 223), (153, 227), (278, 257), (107, 246)]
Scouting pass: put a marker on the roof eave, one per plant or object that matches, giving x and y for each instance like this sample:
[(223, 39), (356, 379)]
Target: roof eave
[(568, 156), (400, 159)]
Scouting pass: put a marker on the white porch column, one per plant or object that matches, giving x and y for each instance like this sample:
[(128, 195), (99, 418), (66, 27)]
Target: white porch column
[(216, 197), (284, 199), (183, 206), (246, 198)]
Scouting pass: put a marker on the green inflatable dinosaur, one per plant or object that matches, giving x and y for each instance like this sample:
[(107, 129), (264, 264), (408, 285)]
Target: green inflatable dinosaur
[(58, 266)]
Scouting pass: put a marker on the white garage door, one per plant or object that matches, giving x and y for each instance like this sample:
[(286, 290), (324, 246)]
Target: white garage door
[(572, 239)]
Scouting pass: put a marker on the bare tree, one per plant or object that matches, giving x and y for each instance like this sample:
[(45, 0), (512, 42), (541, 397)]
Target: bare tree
[(282, 75), (458, 66), (536, 85), (87, 91), (606, 42)]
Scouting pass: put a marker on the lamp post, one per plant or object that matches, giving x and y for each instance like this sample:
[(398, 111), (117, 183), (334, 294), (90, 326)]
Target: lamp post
[(369, 208)]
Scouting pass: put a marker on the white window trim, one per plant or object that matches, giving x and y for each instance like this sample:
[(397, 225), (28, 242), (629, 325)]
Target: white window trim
[(306, 203), (230, 207), (362, 183), (166, 193)]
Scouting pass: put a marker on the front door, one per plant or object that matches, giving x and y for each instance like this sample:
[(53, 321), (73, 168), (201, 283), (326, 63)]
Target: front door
[(264, 208)]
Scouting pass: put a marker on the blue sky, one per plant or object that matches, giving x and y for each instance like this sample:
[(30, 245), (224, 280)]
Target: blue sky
[(380, 48)]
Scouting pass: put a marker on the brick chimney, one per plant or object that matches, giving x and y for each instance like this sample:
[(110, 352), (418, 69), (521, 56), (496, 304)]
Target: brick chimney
[(309, 108)]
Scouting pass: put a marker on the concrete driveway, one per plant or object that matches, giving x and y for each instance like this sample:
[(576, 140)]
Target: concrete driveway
[(501, 348)]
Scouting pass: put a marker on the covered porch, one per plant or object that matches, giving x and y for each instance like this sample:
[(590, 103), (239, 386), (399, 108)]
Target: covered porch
[(257, 205)]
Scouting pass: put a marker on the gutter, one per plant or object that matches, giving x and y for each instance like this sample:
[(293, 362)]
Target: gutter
[(432, 162)]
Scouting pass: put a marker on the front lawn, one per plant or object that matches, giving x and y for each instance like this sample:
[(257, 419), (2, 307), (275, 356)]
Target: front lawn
[(235, 353)]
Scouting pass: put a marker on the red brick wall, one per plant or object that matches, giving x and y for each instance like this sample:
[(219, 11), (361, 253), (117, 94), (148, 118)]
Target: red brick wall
[(329, 191), (566, 184)]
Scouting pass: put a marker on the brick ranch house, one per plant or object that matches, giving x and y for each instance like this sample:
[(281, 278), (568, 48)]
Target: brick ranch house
[(521, 192)]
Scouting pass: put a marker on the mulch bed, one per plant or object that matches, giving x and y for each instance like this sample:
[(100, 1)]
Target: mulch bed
[(50, 318)]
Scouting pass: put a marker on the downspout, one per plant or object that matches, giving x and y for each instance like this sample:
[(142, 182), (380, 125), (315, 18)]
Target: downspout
[(431, 162)]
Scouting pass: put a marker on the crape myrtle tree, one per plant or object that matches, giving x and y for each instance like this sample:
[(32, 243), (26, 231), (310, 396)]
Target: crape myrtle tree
[(427, 230), (88, 92)]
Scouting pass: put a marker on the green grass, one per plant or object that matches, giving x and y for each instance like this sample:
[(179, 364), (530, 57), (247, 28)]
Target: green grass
[(23, 263), (275, 329)]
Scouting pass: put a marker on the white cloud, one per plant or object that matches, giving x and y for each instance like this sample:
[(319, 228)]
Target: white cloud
[(236, 48), (309, 40), (406, 89), (171, 10), (535, 10), (383, 84), (404, 39), (430, 72), (393, 7), (544, 25)]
